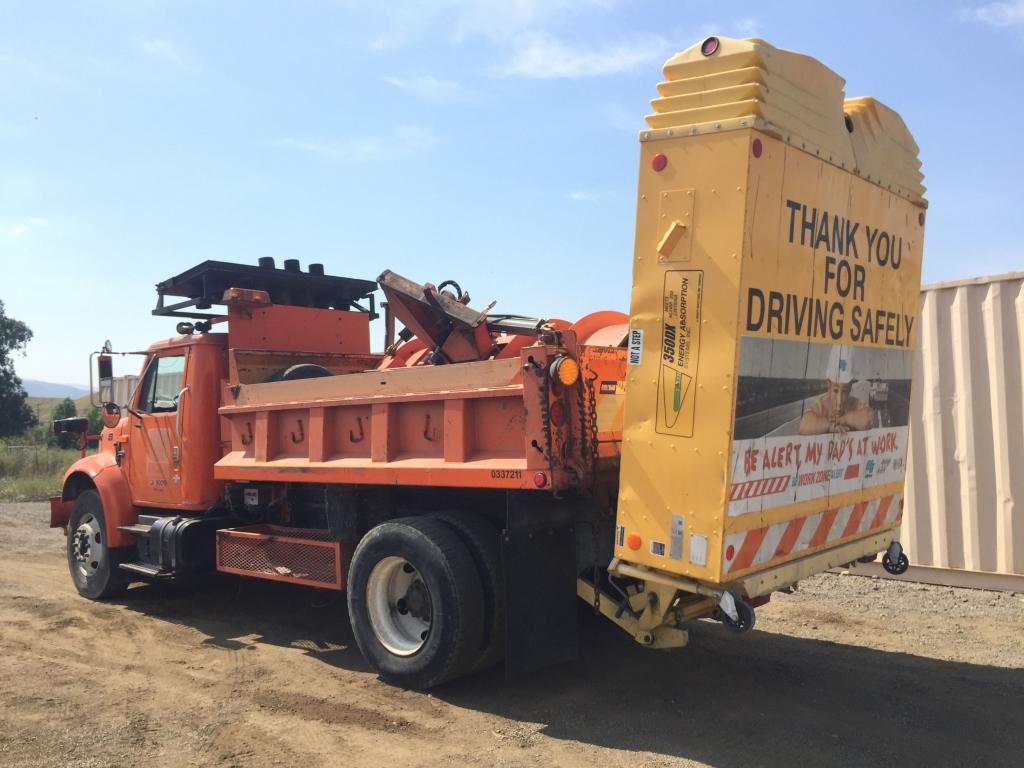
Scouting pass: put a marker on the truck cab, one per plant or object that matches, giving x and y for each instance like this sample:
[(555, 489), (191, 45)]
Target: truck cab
[(169, 439)]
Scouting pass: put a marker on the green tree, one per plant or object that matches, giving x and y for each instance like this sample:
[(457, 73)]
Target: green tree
[(95, 416), (15, 414), (65, 410)]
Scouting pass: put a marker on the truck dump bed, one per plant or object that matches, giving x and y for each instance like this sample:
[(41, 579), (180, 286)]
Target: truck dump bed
[(457, 425), (773, 322), (497, 423)]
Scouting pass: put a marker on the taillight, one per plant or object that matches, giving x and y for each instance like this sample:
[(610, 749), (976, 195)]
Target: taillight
[(566, 370), (540, 480), (709, 47), (558, 413)]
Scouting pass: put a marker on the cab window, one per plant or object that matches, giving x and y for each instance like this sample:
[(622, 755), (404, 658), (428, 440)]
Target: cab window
[(161, 384)]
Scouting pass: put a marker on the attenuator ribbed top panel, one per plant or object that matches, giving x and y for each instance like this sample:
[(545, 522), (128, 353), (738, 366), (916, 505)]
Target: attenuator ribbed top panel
[(751, 84)]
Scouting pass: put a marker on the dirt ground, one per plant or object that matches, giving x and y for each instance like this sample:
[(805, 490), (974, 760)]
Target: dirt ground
[(847, 671)]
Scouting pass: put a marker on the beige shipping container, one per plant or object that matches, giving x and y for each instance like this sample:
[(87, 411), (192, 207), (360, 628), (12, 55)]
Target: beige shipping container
[(964, 515), (123, 388)]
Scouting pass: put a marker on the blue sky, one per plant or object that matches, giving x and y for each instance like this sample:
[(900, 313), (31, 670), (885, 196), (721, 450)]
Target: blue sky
[(490, 141)]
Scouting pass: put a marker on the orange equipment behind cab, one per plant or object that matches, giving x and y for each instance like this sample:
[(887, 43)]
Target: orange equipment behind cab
[(499, 419)]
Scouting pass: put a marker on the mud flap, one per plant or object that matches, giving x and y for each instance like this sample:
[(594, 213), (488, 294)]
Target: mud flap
[(539, 561), (60, 511)]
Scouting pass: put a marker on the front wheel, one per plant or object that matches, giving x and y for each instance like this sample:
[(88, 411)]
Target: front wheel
[(90, 561), (415, 602)]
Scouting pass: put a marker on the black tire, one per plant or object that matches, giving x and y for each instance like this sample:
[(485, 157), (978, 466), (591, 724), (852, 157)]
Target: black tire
[(451, 645), (301, 371), (899, 567), (93, 565), (481, 539), (745, 618)]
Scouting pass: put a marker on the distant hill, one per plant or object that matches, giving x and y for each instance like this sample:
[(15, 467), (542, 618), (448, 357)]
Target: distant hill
[(43, 406), (49, 389)]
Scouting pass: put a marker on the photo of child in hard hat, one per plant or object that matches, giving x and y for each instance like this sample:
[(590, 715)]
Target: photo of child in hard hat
[(837, 411)]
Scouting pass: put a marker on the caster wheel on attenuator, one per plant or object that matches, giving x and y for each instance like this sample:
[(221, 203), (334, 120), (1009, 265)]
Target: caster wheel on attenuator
[(895, 567), (744, 621)]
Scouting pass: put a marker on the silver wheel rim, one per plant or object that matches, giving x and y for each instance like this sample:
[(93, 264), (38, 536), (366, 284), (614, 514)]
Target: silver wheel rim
[(399, 606), (87, 547)]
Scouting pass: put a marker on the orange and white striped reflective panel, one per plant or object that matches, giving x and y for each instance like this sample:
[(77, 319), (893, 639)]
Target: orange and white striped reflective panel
[(747, 549)]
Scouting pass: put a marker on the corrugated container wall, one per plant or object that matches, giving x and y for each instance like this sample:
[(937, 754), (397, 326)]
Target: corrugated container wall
[(123, 389), (965, 484)]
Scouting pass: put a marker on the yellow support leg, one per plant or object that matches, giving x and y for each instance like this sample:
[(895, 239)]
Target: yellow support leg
[(655, 624)]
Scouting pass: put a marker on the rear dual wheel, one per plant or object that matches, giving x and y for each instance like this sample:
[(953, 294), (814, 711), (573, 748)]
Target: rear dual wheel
[(481, 540), (416, 603)]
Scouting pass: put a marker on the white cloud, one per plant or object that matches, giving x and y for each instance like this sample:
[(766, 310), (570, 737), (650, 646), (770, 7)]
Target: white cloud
[(461, 20), (404, 141), (544, 56), (588, 196), (166, 51), (742, 27), (428, 87), (12, 65), (747, 27), (500, 19), (1009, 14), (19, 228)]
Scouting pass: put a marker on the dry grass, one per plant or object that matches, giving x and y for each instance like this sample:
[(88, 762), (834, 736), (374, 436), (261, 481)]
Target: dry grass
[(32, 473)]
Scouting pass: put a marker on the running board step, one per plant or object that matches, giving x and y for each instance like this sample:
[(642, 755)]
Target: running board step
[(136, 530), (146, 570)]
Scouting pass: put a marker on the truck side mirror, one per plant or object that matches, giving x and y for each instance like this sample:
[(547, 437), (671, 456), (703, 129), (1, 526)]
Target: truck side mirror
[(111, 415), (105, 371)]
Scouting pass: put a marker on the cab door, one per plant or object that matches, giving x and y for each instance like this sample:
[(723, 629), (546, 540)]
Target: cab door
[(154, 436)]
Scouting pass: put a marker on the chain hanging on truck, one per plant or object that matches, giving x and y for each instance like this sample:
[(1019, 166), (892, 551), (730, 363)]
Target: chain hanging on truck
[(545, 416), (590, 427)]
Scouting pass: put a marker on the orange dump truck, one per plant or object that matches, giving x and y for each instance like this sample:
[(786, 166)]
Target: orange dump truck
[(745, 426)]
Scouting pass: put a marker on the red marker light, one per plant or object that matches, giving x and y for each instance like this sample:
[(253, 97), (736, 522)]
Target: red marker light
[(540, 480), (756, 147), (920, 218), (709, 47), (729, 552), (558, 413), (658, 163)]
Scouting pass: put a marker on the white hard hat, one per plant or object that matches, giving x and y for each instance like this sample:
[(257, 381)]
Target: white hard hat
[(840, 364)]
